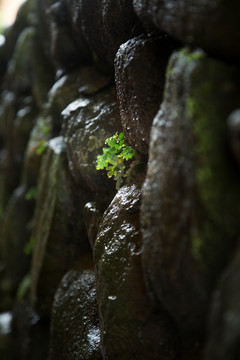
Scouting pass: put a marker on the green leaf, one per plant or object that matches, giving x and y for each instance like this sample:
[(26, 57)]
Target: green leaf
[(114, 157), (31, 194), (29, 246), (41, 147)]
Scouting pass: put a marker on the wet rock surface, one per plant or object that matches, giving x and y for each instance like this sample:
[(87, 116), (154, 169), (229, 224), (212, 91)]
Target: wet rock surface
[(88, 122), (140, 67), (56, 247), (189, 229), (89, 270), (130, 324), (186, 20), (75, 332)]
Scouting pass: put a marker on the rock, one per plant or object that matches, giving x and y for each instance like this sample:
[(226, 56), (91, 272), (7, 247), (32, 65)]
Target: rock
[(90, 17), (88, 122), (75, 330), (39, 136), (93, 212), (233, 123), (120, 24), (191, 196), (75, 16), (19, 70), (9, 170), (132, 327), (29, 338), (27, 72), (140, 67), (86, 81), (211, 25), (43, 28), (223, 335), (63, 48), (26, 17), (58, 228), (15, 233)]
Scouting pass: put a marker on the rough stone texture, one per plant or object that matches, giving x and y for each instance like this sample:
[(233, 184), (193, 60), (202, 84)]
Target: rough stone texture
[(100, 27), (56, 245), (224, 328), (120, 23), (88, 122), (140, 67), (211, 25), (131, 326), (153, 299), (190, 210), (75, 332)]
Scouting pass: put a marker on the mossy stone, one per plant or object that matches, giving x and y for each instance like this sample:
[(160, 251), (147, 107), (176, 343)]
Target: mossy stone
[(191, 196)]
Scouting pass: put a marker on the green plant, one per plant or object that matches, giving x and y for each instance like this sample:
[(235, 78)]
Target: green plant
[(23, 287), (41, 147), (29, 246), (116, 159), (31, 194)]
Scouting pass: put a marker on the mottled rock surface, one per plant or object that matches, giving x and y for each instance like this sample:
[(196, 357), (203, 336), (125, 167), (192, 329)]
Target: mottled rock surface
[(190, 209), (58, 105)]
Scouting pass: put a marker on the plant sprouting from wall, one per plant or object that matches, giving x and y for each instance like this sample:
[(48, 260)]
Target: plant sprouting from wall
[(118, 159)]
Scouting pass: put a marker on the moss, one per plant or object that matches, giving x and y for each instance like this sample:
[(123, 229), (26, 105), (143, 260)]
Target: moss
[(212, 97)]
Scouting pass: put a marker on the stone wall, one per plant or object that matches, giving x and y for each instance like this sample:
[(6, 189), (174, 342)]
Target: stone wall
[(151, 270)]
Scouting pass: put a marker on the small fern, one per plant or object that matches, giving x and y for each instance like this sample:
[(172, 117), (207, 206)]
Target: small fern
[(118, 159)]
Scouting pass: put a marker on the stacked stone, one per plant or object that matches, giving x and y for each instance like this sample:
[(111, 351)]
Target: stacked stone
[(150, 271)]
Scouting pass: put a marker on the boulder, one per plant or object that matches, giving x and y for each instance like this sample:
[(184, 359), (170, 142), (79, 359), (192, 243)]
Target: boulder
[(211, 25), (190, 206), (75, 332), (120, 24), (140, 67), (58, 227), (223, 335), (14, 235), (88, 122), (132, 326)]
